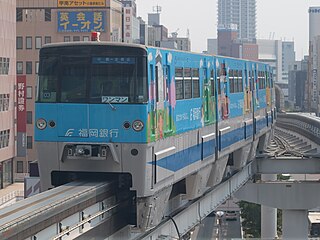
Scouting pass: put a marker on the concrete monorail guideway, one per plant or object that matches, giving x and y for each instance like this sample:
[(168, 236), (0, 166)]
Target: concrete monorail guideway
[(68, 211)]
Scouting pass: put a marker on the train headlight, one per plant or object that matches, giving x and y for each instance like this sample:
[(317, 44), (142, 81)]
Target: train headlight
[(137, 125), (41, 124)]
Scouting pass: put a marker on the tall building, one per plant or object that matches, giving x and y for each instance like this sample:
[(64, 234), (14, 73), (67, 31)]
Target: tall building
[(297, 82), (288, 58), (239, 12), (41, 22), (312, 101), (230, 45), (7, 91), (131, 24)]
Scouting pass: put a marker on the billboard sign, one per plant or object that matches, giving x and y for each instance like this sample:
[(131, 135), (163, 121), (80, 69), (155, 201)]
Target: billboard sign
[(85, 21), (21, 115), (81, 3)]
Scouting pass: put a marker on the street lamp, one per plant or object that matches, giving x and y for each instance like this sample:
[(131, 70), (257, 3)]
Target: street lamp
[(220, 215)]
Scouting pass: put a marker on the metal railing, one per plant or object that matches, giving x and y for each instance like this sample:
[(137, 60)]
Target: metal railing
[(10, 196)]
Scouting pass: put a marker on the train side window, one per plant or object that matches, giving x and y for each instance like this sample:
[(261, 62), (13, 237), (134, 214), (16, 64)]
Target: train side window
[(250, 80), (179, 83), (267, 79), (240, 81), (218, 82), (195, 82), (212, 82), (231, 81), (187, 83), (236, 81)]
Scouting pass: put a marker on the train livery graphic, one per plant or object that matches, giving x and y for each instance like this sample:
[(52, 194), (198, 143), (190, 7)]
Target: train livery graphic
[(172, 122)]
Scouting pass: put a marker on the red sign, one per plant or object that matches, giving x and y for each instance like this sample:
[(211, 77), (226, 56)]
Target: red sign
[(21, 103)]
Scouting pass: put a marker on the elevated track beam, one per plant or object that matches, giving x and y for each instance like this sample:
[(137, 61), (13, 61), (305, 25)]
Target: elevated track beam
[(290, 165)]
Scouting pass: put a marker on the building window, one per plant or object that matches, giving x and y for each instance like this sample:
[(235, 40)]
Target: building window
[(6, 99), (47, 39), (66, 39), (29, 117), (19, 67), (38, 42), (4, 138), (19, 43), (19, 14), (28, 67), (4, 65), (28, 42), (47, 15), (29, 92), (86, 39), (19, 166), (76, 38), (36, 67), (29, 142)]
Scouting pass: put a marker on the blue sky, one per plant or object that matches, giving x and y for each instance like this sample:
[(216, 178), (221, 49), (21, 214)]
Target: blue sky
[(287, 19)]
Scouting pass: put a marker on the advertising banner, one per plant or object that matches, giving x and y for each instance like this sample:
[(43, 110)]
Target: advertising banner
[(21, 116), (85, 21), (81, 3)]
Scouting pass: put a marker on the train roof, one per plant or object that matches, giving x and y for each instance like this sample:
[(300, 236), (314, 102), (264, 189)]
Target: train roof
[(133, 45), (93, 43)]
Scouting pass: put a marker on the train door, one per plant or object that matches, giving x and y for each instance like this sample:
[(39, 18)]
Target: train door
[(153, 104), (167, 100), (206, 94), (254, 95), (247, 90), (159, 92), (224, 92)]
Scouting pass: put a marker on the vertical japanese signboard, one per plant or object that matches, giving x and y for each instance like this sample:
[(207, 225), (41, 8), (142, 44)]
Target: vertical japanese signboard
[(85, 21), (21, 116), (81, 3), (127, 24)]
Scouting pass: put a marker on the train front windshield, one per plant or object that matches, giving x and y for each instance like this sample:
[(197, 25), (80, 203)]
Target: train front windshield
[(92, 78)]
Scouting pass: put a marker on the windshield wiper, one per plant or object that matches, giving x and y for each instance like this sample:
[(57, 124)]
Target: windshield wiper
[(112, 107)]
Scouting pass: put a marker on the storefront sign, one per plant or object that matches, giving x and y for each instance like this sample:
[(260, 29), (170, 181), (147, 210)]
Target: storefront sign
[(81, 3), (85, 21)]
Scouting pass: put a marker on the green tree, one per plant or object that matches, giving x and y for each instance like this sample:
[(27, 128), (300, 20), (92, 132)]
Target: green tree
[(251, 215)]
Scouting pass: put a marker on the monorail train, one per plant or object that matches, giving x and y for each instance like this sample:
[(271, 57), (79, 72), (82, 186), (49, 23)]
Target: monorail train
[(174, 121)]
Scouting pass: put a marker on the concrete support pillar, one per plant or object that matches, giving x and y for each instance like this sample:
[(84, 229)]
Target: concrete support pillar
[(268, 214), (295, 224), (268, 222)]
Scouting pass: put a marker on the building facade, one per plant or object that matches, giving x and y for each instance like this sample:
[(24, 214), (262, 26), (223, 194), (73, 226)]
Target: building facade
[(212, 46), (312, 101), (288, 59), (7, 91), (239, 12), (230, 45), (270, 52), (297, 82), (41, 22)]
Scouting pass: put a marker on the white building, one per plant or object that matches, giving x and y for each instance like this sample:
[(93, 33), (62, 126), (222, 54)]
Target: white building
[(239, 12), (270, 52), (312, 102)]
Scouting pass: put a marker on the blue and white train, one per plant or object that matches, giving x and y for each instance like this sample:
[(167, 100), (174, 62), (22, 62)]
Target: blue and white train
[(171, 121)]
